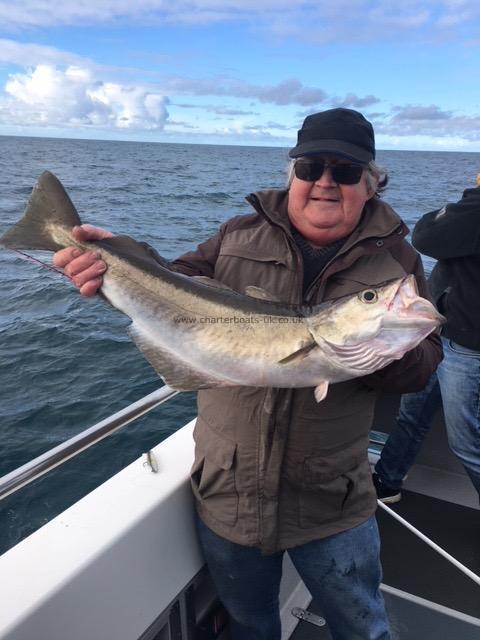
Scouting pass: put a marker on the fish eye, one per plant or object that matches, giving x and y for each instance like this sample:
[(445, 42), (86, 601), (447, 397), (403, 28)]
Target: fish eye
[(369, 296)]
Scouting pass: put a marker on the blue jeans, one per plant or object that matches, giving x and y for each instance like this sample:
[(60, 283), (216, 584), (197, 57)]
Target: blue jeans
[(456, 385), (342, 572)]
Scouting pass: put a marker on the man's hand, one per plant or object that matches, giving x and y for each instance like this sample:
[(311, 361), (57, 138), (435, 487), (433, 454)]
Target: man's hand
[(85, 268)]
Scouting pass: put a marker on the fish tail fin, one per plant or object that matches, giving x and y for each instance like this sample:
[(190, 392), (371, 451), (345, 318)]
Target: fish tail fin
[(48, 204)]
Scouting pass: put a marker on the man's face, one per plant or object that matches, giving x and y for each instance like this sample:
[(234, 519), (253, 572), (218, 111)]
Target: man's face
[(323, 210)]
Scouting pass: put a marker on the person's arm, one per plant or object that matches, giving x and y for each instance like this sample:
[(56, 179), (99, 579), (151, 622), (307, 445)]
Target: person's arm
[(199, 262), (451, 232), (412, 372)]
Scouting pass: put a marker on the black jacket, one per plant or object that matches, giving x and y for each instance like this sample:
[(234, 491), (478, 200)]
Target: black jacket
[(452, 236)]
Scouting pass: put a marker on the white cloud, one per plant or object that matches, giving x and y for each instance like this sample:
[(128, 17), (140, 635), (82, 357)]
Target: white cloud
[(58, 89), (29, 54), (27, 13), (430, 121), (344, 19), (24, 54), (420, 113), (72, 98), (290, 91), (353, 101)]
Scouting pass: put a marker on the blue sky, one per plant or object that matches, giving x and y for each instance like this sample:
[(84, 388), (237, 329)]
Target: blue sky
[(240, 72)]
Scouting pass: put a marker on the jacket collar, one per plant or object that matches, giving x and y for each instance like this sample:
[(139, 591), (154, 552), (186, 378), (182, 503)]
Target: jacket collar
[(378, 220)]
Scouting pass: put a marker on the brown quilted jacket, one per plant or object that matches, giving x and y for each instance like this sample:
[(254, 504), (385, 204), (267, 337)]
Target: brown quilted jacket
[(274, 468)]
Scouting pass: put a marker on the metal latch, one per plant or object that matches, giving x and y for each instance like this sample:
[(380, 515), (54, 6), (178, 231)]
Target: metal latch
[(150, 462), (307, 616)]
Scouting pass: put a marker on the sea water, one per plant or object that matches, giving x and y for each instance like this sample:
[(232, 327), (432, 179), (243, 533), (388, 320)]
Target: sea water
[(66, 362)]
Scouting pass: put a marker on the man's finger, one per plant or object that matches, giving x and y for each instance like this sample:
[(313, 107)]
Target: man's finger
[(64, 256), (87, 232), (84, 268), (91, 287)]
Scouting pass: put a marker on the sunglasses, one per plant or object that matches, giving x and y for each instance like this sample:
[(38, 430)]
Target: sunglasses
[(341, 173)]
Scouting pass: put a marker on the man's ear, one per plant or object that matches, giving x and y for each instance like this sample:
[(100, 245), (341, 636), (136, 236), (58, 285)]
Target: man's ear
[(371, 191)]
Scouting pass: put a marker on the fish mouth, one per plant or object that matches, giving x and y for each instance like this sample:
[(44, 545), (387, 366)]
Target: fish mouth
[(408, 309), (394, 321)]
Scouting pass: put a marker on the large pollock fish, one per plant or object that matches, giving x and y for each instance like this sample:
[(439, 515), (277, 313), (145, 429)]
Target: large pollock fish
[(197, 333)]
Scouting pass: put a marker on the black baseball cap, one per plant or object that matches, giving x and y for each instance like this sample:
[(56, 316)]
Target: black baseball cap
[(340, 132)]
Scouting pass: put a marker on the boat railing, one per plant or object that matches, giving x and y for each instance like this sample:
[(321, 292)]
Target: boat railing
[(47, 461), (42, 464), (433, 545), (37, 467)]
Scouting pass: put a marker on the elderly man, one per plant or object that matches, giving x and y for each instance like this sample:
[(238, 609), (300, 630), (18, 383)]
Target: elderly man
[(275, 471)]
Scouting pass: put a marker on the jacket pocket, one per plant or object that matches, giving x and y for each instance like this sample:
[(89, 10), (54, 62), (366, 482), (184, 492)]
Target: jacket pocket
[(241, 267), (252, 253), (326, 492), (213, 473)]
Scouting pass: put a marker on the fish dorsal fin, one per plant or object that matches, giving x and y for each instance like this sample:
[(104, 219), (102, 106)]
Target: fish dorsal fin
[(298, 355), (260, 294), (176, 373), (138, 253)]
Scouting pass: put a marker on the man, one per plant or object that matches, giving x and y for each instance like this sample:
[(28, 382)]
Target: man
[(275, 470), (451, 235)]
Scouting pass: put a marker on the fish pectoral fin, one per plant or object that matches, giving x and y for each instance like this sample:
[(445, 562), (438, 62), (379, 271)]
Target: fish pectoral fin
[(300, 354), (176, 373), (320, 391), (260, 294)]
